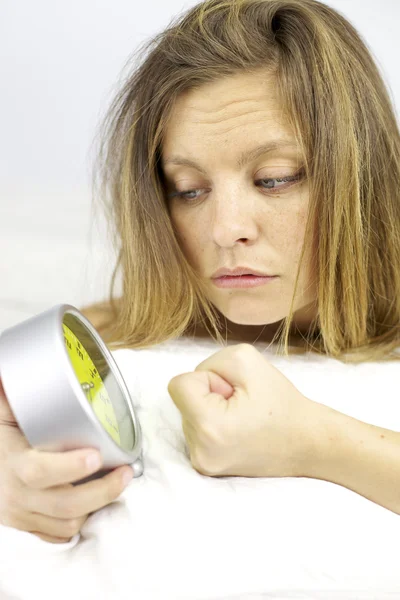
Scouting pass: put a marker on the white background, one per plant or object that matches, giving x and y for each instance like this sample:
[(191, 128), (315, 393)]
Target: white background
[(60, 63)]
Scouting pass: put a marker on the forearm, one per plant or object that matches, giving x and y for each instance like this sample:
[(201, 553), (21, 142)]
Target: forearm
[(359, 456)]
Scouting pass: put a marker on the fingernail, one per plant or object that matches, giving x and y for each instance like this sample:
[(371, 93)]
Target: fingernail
[(127, 476)]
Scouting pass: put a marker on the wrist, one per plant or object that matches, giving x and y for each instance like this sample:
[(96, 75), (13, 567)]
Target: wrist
[(318, 447)]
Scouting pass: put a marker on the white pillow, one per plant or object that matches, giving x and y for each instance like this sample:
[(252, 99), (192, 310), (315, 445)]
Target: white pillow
[(176, 534)]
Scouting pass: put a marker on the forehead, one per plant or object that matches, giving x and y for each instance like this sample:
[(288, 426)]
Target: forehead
[(238, 106), (215, 97)]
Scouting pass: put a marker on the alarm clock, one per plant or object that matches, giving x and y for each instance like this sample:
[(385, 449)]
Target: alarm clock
[(66, 391)]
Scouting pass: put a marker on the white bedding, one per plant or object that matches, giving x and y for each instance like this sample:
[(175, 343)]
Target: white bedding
[(176, 534)]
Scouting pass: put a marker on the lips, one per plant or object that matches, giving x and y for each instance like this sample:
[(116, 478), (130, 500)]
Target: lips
[(239, 272), (242, 281)]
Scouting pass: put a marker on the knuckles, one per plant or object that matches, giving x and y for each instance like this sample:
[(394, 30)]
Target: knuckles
[(211, 441), (244, 350)]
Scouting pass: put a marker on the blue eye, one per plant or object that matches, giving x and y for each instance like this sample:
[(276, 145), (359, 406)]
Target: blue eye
[(264, 184), (289, 178)]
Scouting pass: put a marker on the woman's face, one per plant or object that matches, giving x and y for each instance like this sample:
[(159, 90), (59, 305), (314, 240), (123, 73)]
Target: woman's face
[(234, 212)]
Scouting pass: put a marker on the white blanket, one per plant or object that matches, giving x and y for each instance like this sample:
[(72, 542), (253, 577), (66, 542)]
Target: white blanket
[(176, 534)]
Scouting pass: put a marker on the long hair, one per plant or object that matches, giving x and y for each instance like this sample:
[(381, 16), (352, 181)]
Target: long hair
[(335, 100)]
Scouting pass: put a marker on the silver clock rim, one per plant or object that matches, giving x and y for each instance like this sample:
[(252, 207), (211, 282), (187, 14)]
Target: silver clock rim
[(43, 426)]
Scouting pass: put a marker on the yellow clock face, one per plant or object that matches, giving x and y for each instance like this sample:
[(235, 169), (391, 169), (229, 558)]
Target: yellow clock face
[(92, 384)]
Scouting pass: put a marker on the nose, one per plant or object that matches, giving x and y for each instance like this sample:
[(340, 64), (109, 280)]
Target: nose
[(233, 218)]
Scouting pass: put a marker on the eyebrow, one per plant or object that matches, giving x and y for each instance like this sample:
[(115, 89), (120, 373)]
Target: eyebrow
[(244, 158)]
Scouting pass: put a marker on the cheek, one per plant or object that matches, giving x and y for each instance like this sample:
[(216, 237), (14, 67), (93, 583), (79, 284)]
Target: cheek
[(287, 233), (187, 234), (299, 228)]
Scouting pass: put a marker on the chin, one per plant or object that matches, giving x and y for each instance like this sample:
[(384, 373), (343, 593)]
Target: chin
[(249, 317), (255, 322)]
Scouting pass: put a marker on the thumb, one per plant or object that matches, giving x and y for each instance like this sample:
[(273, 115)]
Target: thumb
[(217, 385), (193, 393)]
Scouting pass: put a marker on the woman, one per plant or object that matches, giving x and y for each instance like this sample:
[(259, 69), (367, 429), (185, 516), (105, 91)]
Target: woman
[(255, 135), (225, 78)]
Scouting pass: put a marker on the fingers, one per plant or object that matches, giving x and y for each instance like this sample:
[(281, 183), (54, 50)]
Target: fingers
[(36, 487), (39, 496), (72, 502), (40, 470), (49, 538), (49, 529), (57, 514)]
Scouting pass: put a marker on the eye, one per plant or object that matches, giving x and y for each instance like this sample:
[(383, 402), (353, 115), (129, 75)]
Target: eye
[(273, 188), (264, 184)]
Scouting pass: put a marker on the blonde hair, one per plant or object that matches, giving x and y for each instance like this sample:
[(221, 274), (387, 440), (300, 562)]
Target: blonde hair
[(336, 103)]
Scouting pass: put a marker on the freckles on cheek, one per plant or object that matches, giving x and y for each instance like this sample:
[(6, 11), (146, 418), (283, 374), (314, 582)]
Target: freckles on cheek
[(288, 231)]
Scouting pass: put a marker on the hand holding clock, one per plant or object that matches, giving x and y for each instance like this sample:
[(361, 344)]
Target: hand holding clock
[(37, 494)]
